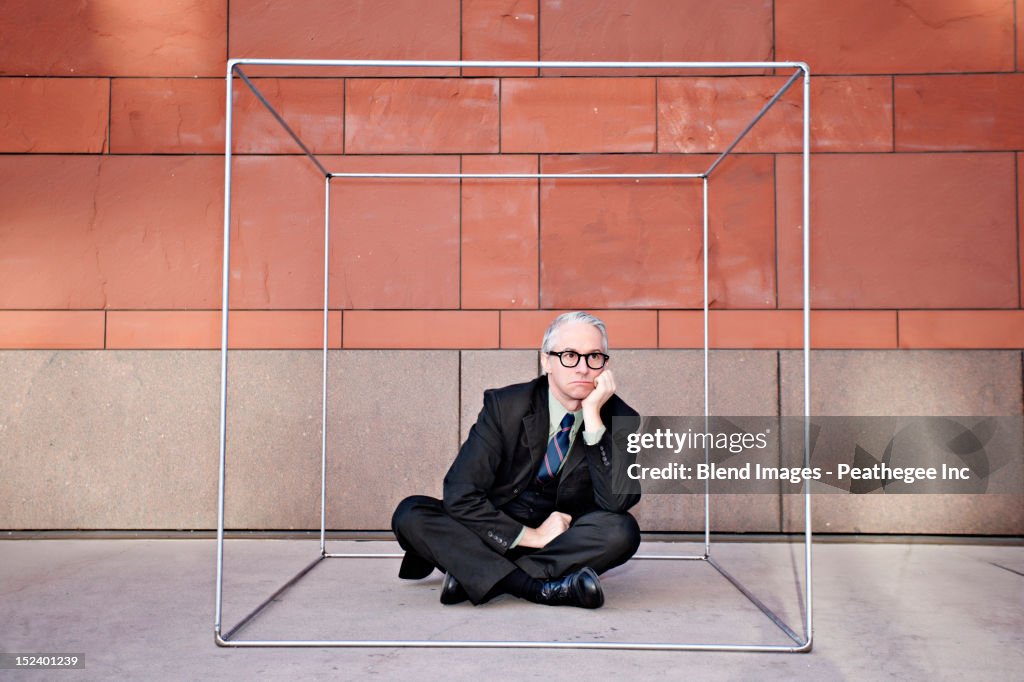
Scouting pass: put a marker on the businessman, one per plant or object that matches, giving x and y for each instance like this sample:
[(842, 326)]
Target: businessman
[(536, 502)]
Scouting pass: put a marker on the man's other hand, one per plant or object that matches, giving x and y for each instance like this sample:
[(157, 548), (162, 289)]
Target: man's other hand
[(553, 526), (604, 388)]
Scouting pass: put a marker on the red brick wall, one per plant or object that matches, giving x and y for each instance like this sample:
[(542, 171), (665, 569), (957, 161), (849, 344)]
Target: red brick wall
[(111, 174)]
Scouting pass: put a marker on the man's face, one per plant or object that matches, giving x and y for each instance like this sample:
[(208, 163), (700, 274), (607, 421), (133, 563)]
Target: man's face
[(572, 384)]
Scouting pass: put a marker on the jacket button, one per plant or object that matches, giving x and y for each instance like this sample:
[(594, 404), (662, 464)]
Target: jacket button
[(515, 491)]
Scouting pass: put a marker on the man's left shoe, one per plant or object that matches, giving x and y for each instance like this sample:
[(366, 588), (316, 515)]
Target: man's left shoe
[(581, 588), (451, 591)]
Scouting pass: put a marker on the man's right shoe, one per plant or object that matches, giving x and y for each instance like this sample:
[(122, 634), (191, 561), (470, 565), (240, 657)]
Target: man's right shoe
[(414, 567), (451, 591), (581, 588)]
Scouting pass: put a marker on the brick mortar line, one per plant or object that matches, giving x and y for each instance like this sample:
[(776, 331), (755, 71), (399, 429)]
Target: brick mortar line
[(1016, 37), (1018, 157), (513, 310), (292, 76), (426, 155), (540, 12), (227, 31), (893, 112), (109, 142), (657, 131), (316, 347), (775, 224), (462, 199)]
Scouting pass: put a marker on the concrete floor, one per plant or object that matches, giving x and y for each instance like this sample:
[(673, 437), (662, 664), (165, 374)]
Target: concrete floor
[(144, 609)]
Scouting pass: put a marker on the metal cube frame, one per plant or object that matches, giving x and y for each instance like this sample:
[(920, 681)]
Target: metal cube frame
[(801, 642)]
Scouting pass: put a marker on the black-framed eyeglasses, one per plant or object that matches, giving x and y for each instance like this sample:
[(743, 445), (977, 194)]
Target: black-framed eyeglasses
[(570, 358)]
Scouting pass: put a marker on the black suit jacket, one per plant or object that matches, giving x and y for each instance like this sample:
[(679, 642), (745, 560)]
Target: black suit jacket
[(504, 451)]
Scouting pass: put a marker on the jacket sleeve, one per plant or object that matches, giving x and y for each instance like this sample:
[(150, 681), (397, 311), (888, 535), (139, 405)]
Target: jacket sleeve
[(471, 477), (609, 461)]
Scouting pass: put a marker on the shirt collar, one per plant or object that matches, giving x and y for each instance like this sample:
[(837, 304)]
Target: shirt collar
[(556, 411)]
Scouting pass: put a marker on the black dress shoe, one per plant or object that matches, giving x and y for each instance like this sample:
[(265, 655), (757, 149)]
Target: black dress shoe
[(414, 567), (581, 588), (451, 591)]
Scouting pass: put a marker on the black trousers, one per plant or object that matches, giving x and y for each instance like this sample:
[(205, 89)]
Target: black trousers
[(431, 538)]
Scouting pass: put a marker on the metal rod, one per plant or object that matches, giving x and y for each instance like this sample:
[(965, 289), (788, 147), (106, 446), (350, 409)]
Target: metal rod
[(465, 644), (287, 128), (361, 555), (449, 63), (760, 115), (756, 602), (225, 281), (808, 625), (707, 381), (638, 557), (266, 602), (526, 176), (323, 418)]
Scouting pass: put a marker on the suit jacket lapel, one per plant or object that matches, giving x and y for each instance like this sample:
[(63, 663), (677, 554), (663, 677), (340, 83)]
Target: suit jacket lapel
[(535, 425), (575, 455)]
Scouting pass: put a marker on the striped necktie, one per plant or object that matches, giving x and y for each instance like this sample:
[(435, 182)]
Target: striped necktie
[(558, 448)]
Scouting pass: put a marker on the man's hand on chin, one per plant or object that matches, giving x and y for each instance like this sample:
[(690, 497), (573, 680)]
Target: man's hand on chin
[(604, 388)]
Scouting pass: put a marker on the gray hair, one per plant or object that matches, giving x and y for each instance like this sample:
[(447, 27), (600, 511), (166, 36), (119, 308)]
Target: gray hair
[(564, 319)]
